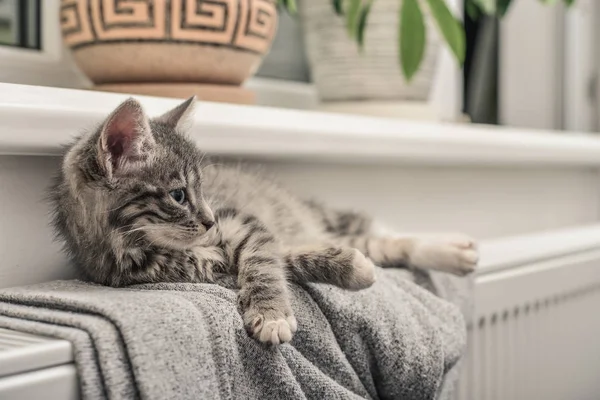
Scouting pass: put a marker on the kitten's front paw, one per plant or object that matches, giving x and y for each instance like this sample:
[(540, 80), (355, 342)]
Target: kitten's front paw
[(363, 272), (270, 326), (456, 254)]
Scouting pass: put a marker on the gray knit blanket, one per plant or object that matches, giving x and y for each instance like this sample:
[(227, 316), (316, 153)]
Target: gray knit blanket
[(400, 339)]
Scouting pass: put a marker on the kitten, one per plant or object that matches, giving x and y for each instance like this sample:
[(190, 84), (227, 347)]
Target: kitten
[(134, 205)]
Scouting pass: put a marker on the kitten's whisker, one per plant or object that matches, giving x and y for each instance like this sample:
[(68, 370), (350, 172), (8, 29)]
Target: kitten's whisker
[(213, 165), (132, 231), (171, 241), (202, 159), (142, 228)]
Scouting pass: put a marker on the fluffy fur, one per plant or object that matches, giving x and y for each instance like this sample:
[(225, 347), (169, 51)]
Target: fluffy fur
[(133, 204)]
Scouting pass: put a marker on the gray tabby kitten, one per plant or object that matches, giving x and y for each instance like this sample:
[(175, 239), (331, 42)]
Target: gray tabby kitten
[(134, 205)]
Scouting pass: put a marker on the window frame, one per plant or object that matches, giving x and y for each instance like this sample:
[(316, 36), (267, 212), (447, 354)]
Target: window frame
[(50, 65)]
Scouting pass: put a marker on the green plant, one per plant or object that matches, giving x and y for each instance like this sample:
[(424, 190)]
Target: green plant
[(412, 30)]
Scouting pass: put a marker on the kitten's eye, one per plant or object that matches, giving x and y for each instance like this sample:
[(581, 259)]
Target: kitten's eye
[(178, 195)]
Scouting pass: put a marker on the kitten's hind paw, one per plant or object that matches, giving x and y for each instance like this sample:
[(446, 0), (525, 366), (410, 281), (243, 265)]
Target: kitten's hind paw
[(456, 254), (271, 326)]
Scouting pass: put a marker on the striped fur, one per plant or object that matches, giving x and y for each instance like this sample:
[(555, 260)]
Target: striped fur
[(116, 208)]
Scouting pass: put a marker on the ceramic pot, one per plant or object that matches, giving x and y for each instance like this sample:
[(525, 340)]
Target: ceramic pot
[(342, 73), (215, 42)]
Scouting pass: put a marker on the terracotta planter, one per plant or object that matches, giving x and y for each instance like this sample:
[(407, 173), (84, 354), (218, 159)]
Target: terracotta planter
[(133, 41)]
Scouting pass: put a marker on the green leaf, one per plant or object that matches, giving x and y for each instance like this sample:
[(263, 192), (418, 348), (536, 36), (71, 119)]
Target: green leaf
[(291, 7), (338, 7), (503, 6), (451, 28), (472, 10), (362, 24), (288, 5), (352, 17), (569, 3), (412, 38)]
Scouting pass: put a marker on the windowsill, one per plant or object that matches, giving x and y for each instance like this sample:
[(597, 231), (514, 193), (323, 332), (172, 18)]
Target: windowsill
[(38, 120)]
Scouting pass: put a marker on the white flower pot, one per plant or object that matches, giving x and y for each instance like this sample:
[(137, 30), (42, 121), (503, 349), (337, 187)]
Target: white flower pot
[(341, 72)]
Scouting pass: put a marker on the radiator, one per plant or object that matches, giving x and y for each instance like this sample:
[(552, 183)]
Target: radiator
[(536, 328), (36, 367)]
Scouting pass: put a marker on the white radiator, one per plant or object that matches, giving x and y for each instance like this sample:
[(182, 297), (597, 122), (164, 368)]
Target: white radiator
[(537, 321)]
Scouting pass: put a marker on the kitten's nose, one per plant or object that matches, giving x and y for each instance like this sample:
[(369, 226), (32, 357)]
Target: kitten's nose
[(208, 224)]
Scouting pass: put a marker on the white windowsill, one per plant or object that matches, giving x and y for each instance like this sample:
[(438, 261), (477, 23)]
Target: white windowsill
[(38, 120)]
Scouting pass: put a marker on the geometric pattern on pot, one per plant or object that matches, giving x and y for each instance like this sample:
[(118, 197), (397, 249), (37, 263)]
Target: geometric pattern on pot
[(247, 25)]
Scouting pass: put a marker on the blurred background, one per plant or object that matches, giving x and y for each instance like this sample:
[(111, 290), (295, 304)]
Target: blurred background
[(532, 64)]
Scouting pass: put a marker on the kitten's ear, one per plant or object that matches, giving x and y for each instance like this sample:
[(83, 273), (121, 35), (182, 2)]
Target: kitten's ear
[(180, 116), (126, 140)]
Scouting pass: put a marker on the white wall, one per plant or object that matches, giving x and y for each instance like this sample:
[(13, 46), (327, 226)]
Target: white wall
[(581, 67), (549, 66), (531, 65), (26, 241)]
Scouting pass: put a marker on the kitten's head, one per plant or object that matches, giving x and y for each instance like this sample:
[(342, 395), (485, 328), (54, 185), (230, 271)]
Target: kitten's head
[(134, 183)]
